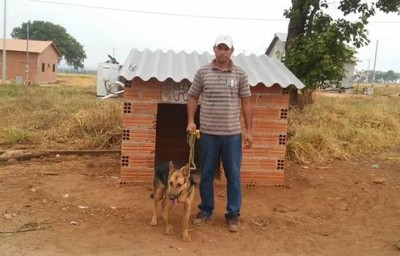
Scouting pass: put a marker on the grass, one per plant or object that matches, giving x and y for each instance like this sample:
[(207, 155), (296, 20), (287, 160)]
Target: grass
[(58, 117), (379, 89), (68, 115), (343, 128)]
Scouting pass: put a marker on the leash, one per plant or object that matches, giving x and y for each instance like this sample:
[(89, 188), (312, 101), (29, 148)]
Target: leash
[(191, 139)]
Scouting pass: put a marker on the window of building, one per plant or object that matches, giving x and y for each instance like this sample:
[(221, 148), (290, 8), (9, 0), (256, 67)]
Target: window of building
[(43, 67), (54, 67)]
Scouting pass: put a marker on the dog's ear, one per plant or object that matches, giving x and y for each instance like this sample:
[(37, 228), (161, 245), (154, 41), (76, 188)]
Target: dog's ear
[(186, 170), (171, 167)]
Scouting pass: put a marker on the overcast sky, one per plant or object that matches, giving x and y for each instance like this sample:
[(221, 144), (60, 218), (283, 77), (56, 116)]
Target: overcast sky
[(115, 27)]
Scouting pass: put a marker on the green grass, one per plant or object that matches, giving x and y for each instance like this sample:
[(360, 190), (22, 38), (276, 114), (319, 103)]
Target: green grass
[(14, 136)]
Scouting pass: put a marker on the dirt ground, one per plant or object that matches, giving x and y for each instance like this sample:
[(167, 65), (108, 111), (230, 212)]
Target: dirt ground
[(75, 205)]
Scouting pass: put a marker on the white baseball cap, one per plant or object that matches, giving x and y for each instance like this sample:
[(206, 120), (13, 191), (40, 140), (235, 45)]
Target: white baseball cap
[(224, 39)]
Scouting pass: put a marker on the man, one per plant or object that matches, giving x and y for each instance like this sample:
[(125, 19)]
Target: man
[(224, 90)]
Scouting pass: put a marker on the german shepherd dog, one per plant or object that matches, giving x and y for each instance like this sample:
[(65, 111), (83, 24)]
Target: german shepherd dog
[(176, 185)]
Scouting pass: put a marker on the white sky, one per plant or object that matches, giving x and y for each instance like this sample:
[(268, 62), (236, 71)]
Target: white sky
[(110, 30)]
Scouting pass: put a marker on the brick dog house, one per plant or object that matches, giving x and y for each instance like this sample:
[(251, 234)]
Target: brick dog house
[(154, 113)]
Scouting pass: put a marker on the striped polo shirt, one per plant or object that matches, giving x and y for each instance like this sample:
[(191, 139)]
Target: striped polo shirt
[(219, 92)]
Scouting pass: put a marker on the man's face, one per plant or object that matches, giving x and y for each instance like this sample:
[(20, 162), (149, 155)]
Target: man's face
[(222, 53)]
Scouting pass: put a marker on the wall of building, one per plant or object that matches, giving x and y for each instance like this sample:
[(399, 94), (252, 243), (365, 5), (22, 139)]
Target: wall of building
[(278, 50), (349, 75), (17, 62), (16, 65), (139, 130), (47, 66), (264, 163)]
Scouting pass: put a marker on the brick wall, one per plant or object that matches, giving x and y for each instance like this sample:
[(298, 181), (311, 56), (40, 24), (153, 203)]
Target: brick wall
[(16, 63), (262, 164), (139, 130), (47, 65)]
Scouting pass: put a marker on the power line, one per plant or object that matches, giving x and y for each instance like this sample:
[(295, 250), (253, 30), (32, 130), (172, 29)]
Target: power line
[(181, 14), (159, 13)]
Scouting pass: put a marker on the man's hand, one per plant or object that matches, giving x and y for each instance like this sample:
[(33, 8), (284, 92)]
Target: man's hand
[(191, 127), (248, 140)]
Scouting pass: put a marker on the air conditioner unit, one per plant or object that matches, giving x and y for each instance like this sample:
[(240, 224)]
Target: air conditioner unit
[(107, 78)]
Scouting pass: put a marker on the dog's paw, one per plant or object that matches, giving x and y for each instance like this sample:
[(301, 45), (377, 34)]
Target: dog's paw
[(153, 222), (169, 230), (187, 238)]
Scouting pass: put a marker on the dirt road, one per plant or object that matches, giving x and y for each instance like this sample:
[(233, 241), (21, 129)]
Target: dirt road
[(75, 205)]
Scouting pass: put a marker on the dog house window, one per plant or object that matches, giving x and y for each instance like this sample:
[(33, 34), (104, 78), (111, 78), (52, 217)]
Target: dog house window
[(280, 163), (285, 91), (126, 134), (128, 84), (284, 113), (282, 139), (127, 107), (124, 160)]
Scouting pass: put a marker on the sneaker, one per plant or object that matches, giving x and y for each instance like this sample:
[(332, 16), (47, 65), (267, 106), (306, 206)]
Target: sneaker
[(200, 219), (233, 224)]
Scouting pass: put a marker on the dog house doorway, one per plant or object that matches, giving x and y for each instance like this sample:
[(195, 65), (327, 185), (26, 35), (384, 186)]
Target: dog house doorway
[(171, 136)]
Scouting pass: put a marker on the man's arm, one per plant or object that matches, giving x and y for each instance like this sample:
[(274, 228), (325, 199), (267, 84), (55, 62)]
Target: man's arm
[(248, 118), (192, 106)]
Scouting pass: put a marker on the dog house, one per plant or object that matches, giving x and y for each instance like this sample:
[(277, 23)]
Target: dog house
[(154, 118)]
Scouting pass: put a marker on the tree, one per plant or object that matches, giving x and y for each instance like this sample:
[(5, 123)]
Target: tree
[(71, 50), (317, 46), (389, 76)]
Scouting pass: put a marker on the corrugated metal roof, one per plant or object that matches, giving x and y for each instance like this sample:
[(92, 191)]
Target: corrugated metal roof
[(19, 45), (161, 65)]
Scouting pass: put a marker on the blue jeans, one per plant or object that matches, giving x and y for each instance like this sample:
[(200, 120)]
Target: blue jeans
[(229, 150)]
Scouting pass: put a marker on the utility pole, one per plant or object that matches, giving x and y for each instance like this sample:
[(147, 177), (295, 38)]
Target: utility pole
[(376, 53), (4, 64), (27, 52)]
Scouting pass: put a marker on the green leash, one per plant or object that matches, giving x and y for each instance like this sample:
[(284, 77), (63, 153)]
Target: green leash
[(191, 139)]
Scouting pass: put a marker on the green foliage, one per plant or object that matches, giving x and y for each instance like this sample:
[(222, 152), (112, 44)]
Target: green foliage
[(388, 76), (71, 50), (318, 47), (318, 60), (389, 5)]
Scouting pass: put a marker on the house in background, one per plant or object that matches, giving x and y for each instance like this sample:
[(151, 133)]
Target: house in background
[(276, 49), (155, 119), (39, 58)]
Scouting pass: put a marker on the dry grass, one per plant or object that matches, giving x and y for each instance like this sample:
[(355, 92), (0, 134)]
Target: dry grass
[(77, 80), (58, 117), (69, 116), (343, 128), (380, 89)]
